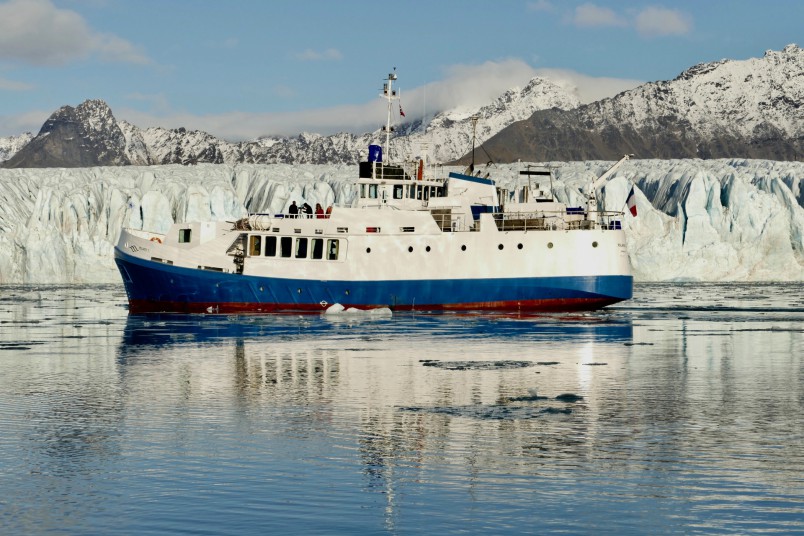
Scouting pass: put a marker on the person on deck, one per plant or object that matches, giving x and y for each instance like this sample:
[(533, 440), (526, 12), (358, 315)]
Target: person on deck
[(293, 210), (319, 211), (308, 210)]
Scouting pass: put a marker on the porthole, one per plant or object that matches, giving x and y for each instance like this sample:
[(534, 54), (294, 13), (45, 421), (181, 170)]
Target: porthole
[(594, 244), (368, 250), (519, 246), (410, 249), (463, 248), (549, 245), (427, 249), (500, 247)]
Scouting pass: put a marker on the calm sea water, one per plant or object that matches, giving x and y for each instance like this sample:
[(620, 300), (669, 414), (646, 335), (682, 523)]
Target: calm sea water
[(679, 412)]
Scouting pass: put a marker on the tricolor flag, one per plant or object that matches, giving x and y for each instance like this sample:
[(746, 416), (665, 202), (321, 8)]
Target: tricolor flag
[(631, 202), (400, 111)]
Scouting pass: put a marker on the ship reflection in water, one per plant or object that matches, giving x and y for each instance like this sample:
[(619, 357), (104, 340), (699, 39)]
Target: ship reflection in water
[(664, 414)]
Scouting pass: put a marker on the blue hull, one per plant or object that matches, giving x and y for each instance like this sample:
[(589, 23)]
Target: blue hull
[(158, 287)]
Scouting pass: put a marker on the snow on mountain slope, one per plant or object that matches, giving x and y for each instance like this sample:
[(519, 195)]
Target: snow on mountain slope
[(698, 220), (448, 135), (82, 136), (9, 145), (748, 109), (748, 99)]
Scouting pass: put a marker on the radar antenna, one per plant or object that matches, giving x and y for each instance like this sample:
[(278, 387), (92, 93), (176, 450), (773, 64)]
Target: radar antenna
[(389, 94)]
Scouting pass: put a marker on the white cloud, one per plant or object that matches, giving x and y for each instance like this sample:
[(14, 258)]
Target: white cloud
[(588, 15), (39, 33), (464, 86), (651, 21), (588, 88), (12, 85), (659, 21), (314, 55)]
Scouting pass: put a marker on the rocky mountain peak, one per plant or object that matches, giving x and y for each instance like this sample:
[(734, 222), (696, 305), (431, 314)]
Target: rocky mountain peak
[(750, 108), (87, 135)]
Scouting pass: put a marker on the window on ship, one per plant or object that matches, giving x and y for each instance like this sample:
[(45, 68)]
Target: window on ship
[(255, 245), (286, 246), (184, 236), (332, 249), (301, 248), (270, 246), (318, 248)]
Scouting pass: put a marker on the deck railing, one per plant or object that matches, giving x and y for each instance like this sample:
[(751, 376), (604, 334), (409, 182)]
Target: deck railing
[(531, 221)]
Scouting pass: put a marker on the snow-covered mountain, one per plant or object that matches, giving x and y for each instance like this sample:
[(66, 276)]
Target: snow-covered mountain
[(752, 108), (87, 135), (704, 220), (447, 136), (9, 145)]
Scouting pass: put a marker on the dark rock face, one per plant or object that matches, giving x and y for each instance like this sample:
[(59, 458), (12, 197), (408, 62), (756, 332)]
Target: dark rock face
[(84, 136)]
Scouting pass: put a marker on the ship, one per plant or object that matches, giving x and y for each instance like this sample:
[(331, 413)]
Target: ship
[(415, 237)]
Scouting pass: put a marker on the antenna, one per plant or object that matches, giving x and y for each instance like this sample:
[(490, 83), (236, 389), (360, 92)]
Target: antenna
[(474, 119), (389, 94)]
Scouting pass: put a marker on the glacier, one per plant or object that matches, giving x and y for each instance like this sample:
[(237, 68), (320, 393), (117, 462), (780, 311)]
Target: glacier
[(698, 220)]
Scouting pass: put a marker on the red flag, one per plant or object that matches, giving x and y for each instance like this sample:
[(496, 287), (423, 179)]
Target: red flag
[(631, 202), (400, 111)]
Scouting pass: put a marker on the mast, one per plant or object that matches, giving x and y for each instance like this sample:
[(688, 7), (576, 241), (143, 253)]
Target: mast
[(389, 94), (474, 130)]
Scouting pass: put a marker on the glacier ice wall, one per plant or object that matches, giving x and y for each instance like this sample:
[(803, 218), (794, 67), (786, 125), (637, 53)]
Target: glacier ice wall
[(697, 220)]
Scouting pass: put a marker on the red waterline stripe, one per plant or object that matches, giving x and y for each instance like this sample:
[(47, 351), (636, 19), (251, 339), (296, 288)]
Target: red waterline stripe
[(564, 304)]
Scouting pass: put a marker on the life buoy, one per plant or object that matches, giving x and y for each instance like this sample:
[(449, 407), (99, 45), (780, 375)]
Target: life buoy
[(156, 239)]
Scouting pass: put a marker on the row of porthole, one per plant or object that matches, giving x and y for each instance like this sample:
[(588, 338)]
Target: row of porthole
[(500, 247), (299, 291)]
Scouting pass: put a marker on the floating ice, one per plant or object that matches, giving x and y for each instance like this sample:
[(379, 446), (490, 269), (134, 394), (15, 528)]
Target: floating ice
[(338, 309)]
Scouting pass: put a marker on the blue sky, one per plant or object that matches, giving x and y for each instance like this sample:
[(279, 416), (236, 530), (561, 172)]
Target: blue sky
[(243, 68)]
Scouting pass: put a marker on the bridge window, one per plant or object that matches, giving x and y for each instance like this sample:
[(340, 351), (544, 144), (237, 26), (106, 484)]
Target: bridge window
[(184, 236), (318, 248), (285, 246), (332, 249), (255, 245), (270, 246), (301, 248)]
